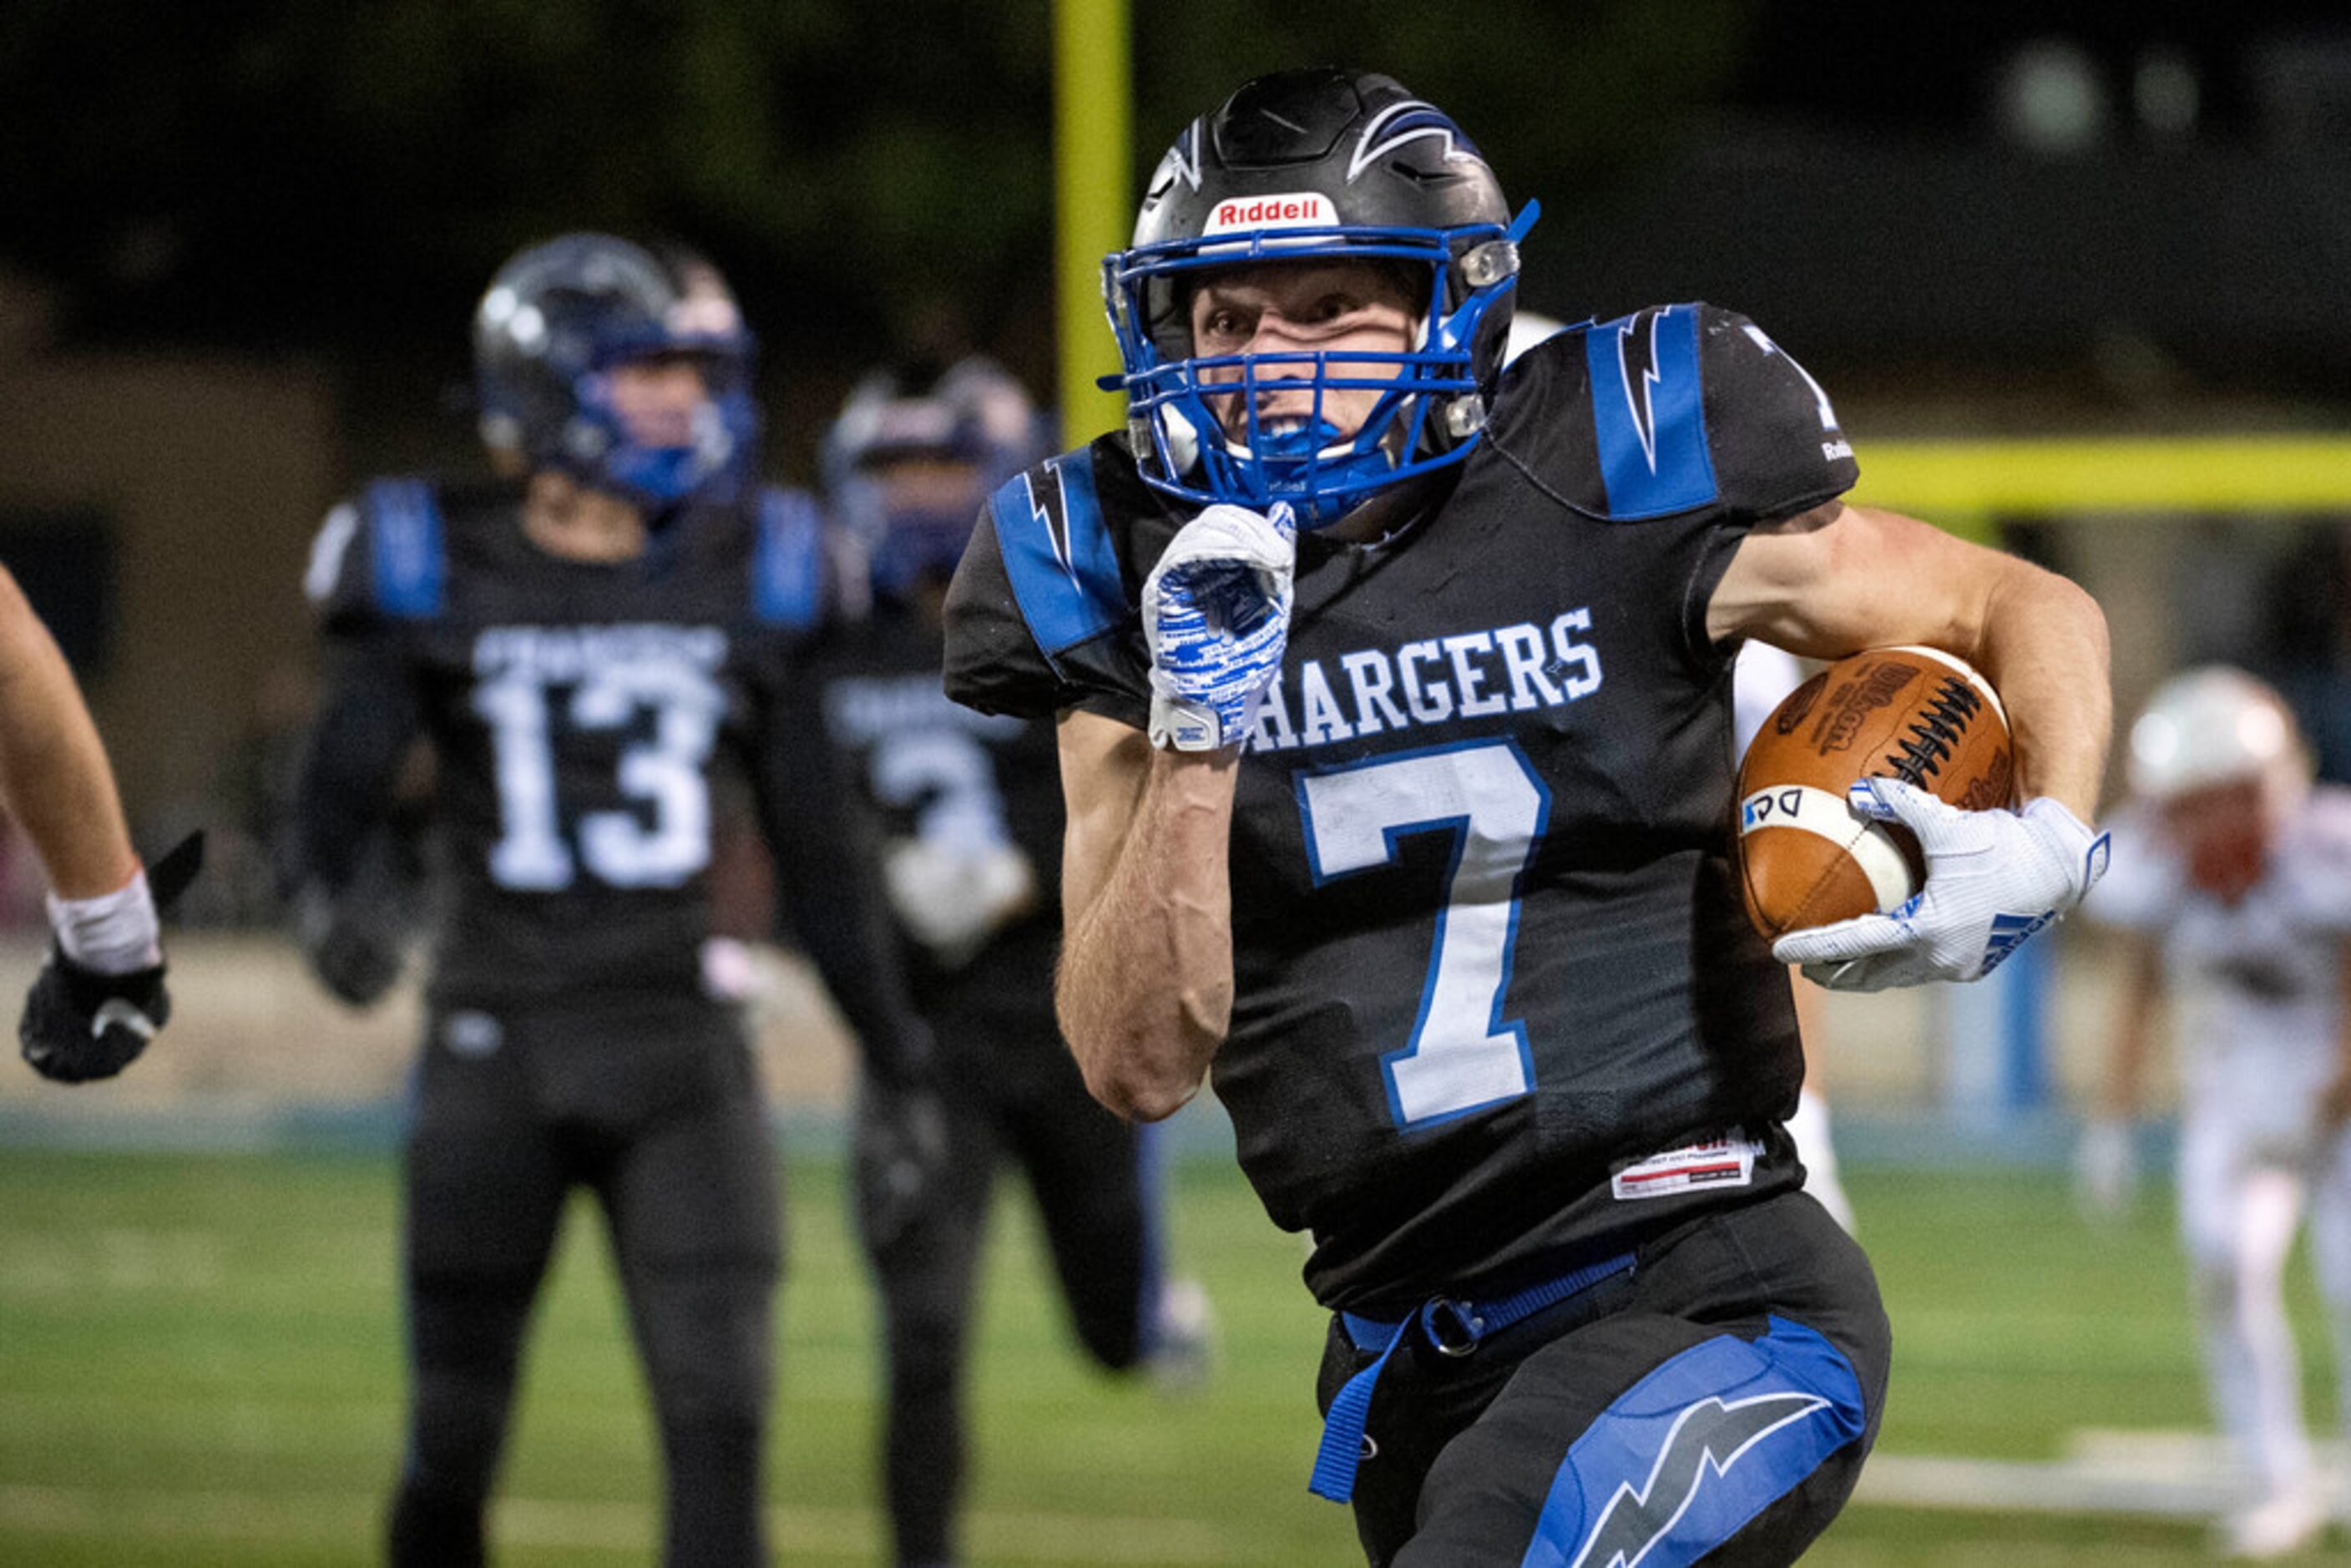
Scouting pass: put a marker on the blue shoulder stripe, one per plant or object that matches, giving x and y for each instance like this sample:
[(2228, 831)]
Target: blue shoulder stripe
[(405, 548), (787, 561), (1649, 407), (1058, 553)]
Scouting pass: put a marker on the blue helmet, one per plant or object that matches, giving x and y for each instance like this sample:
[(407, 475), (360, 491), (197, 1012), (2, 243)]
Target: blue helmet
[(1314, 165), (969, 429), (560, 314)]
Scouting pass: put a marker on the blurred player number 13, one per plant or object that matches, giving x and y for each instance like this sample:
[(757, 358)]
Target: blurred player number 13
[(662, 846)]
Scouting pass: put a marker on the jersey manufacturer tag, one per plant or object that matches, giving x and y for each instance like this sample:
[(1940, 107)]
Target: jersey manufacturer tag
[(1717, 1161)]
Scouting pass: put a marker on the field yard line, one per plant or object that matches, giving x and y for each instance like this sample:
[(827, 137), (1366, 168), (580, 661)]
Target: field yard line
[(2166, 1474), (167, 1515), (2024, 1486), (310, 1517)]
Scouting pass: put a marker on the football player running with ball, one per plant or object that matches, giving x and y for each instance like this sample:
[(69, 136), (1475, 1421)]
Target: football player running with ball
[(970, 806), (585, 648), (1396, 740), (2233, 878)]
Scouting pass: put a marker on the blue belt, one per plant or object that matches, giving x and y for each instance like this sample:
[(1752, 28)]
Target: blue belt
[(1454, 1328)]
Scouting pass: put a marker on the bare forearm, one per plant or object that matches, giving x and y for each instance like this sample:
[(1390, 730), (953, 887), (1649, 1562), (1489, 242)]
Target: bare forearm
[(1840, 579), (1145, 988), (2044, 650), (53, 769)]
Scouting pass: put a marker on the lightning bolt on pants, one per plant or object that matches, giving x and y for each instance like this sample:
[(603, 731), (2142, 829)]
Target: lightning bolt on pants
[(1719, 1398)]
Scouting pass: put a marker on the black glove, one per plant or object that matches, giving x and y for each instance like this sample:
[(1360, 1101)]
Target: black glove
[(79, 1024), (354, 944), (902, 1158)]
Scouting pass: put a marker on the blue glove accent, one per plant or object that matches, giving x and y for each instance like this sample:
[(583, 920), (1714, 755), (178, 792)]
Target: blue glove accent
[(1215, 615)]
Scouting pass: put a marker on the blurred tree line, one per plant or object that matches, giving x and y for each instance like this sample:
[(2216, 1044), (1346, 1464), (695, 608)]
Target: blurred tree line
[(340, 180)]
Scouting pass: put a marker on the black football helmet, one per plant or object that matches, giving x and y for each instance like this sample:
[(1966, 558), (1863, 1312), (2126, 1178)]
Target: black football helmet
[(971, 427), (560, 314), (1314, 165)]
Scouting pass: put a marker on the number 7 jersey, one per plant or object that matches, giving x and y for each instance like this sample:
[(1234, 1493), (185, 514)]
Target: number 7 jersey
[(1497, 1001), (581, 714)]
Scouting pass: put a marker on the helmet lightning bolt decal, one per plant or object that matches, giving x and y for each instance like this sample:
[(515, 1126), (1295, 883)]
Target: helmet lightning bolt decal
[(1411, 120), (1636, 351), (1184, 156)]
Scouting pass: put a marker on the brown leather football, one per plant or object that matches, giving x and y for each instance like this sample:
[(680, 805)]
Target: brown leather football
[(1805, 857)]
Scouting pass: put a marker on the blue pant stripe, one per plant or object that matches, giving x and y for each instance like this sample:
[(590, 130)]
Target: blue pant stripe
[(1697, 1447)]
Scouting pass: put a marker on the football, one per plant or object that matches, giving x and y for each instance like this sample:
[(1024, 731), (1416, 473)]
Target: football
[(1805, 856)]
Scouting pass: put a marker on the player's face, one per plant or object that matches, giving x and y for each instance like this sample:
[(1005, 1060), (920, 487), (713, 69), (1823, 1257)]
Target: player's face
[(2223, 833), (931, 485), (1303, 307), (658, 398)]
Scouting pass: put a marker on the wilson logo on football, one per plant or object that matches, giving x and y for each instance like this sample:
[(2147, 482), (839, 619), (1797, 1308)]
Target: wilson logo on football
[(1288, 210)]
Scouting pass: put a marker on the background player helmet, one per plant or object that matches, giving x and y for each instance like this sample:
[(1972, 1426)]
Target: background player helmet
[(2211, 725), (913, 455), (1315, 165), (2217, 754), (560, 314)]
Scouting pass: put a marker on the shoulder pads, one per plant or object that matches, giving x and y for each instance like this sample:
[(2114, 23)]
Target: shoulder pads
[(399, 569), (1648, 411), (1058, 553)]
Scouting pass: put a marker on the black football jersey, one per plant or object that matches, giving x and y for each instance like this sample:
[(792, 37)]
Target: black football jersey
[(935, 771), (579, 715), (1497, 999)]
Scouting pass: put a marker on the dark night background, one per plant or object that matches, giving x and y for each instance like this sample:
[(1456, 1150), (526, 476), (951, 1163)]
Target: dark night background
[(338, 181), (240, 242)]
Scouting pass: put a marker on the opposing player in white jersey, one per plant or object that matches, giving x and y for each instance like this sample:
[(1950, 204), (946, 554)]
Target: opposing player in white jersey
[(2233, 874)]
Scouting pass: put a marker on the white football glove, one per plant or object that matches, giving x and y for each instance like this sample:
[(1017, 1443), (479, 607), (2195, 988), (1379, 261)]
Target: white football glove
[(1993, 878), (953, 900), (1215, 615)]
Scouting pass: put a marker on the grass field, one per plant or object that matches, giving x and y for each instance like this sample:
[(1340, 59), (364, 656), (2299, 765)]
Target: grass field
[(200, 1364)]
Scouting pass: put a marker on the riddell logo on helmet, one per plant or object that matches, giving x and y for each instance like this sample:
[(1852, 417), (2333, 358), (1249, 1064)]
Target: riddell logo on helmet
[(1285, 210)]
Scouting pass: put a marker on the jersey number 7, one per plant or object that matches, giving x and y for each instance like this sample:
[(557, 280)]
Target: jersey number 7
[(1463, 1055)]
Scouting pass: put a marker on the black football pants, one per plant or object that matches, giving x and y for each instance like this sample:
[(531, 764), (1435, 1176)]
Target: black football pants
[(1011, 1091), (654, 1107), (1712, 1402)]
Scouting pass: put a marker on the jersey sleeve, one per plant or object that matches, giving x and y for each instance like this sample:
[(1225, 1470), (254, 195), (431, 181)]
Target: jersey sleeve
[(2142, 888), (804, 575), (1684, 420), (2317, 861), (381, 560), (1775, 441), (1039, 617), (368, 714), (377, 568)]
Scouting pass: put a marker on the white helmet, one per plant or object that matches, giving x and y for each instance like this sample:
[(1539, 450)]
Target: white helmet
[(2215, 725)]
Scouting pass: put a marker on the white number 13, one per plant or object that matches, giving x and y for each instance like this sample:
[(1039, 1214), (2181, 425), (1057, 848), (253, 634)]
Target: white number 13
[(1463, 1054), (664, 772)]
